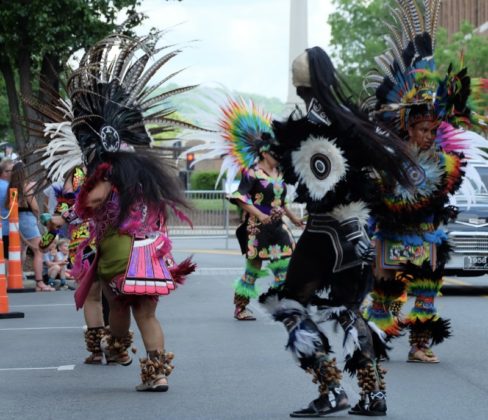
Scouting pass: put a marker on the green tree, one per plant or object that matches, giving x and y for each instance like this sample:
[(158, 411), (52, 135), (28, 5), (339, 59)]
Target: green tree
[(358, 32), (357, 37), (5, 132), (474, 48), (38, 36)]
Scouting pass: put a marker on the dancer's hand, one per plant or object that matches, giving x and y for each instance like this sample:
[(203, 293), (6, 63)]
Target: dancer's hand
[(298, 222), (264, 218), (56, 222), (365, 251)]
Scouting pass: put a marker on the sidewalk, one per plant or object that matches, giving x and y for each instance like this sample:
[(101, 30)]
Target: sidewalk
[(29, 281)]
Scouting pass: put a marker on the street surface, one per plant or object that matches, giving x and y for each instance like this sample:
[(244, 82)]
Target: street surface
[(225, 369)]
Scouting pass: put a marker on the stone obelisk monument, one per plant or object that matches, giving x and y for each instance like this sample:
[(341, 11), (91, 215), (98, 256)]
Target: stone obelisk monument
[(298, 43)]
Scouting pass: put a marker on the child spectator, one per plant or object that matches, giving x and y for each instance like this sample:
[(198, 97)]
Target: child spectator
[(63, 261), (55, 266)]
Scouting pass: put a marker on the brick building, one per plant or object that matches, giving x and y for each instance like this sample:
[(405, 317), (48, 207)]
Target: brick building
[(454, 12)]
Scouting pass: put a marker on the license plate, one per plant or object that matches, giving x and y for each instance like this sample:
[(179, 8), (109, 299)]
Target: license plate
[(476, 263)]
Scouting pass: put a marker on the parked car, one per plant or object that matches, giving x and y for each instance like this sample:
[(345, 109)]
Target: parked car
[(469, 234)]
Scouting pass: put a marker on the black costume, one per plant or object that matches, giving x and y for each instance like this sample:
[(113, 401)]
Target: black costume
[(330, 152)]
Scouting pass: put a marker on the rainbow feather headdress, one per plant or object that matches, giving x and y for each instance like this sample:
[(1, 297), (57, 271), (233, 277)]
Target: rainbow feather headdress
[(244, 131), (406, 87), (407, 78)]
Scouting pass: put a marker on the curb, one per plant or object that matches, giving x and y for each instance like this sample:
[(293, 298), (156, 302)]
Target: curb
[(32, 284)]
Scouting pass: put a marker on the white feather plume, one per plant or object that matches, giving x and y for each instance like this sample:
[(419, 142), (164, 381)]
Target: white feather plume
[(62, 154), (302, 158), (351, 342)]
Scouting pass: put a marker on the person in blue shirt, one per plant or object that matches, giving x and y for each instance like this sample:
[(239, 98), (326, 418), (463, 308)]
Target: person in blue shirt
[(6, 166)]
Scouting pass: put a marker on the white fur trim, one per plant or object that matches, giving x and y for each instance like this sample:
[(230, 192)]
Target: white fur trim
[(325, 314), (306, 343), (274, 305), (355, 209), (336, 166)]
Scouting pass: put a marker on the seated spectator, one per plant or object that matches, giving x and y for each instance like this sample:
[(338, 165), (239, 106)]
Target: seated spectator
[(63, 261), (55, 267)]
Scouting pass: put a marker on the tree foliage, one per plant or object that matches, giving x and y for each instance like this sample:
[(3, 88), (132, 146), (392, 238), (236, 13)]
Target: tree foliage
[(474, 48), (357, 37), (358, 32), (204, 180), (5, 132), (38, 36)]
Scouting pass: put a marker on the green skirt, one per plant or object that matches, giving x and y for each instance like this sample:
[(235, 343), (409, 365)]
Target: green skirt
[(114, 253)]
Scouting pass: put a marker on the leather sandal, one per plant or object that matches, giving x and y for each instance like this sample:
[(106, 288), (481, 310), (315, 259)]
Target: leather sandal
[(420, 356), (243, 314), (94, 359), (159, 384)]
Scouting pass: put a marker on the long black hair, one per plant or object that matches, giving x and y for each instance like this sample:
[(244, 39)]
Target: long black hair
[(147, 176), (334, 96)]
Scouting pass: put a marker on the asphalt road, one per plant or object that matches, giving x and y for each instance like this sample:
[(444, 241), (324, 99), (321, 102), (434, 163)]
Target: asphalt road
[(224, 369)]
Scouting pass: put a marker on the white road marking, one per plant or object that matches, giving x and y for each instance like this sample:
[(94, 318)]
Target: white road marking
[(66, 367), (58, 368), (41, 305), (79, 327)]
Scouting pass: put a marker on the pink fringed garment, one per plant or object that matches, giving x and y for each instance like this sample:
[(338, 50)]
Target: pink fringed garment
[(147, 273)]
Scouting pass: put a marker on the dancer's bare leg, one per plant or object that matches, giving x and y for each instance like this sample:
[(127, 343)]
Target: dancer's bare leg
[(152, 335), (149, 326), (116, 343), (119, 317), (92, 309)]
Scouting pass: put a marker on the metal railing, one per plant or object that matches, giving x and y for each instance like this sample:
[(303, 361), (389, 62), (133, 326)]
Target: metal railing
[(212, 215)]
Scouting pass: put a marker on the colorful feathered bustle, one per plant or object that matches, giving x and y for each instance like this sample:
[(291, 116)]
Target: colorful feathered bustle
[(406, 74), (241, 127)]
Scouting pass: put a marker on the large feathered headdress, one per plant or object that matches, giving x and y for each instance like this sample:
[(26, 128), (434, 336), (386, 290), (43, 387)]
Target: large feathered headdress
[(112, 105), (62, 153), (244, 131), (406, 87)]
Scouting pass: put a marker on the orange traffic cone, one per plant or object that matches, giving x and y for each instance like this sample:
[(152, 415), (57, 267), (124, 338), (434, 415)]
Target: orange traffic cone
[(15, 283), (4, 313)]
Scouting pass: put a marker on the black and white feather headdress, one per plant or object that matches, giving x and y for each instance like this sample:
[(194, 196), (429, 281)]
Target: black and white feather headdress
[(114, 103), (110, 103)]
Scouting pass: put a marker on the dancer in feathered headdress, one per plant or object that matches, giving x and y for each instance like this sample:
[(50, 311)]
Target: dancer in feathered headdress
[(331, 154), (127, 192), (432, 112), (61, 164), (245, 143)]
